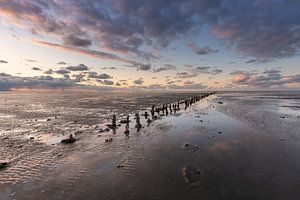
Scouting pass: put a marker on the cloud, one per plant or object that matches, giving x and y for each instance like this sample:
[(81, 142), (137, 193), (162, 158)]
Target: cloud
[(266, 79), (252, 61), (78, 78), (106, 82), (201, 50), (95, 75), (80, 67), (185, 75), (143, 67), (258, 29), (8, 82), (49, 71), (3, 61), (36, 69), (216, 71), (62, 71), (139, 81), (72, 40), (30, 60), (4, 74), (104, 76), (188, 82), (112, 68), (166, 67), (192, 86)]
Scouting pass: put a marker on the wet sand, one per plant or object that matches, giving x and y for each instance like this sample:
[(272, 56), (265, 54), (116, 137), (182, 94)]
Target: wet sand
[(228, 146)]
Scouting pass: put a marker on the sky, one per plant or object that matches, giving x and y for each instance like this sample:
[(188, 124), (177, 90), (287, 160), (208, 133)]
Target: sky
[(149, 45)]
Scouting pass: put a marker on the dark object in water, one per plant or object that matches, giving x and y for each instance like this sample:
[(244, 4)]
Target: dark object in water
[(3, 165), (146, 115), (109, 140), (220, 102), (191, 175), (282, 117), (70, 140), (120, 165), (125, 121), (219, 132)]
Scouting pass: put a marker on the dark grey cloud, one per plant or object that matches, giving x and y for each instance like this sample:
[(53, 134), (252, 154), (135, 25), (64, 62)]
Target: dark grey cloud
[(80, 67), (78, 78), (36, 69), (49, 71), (106, 82), (112, 68), (143, 67), (62, 71), (30, 60), (4, 74), (96, 75), (185, 75), (216, 71), (166, 67), (204, 70), (3, 61), (72, 40), (139, 81), (104, 76), (252, 61), (201, 50)]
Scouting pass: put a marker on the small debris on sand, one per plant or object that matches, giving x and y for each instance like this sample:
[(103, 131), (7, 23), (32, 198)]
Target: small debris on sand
[(71, 139), (120, 165), (108, 140), (77, 132), (220, 102), (191, 175), (191, 148), (282, 117), (31, 138), (281, 139)]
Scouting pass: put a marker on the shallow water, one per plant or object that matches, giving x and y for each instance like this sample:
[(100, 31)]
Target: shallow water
[(238, 150)]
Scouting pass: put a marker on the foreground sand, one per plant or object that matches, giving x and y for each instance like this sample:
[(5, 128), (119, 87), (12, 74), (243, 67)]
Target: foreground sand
[(200, 153)]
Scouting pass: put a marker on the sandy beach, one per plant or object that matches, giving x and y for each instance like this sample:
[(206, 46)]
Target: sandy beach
[(226, 146)]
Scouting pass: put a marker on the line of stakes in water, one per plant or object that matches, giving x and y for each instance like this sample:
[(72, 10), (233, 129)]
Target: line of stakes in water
[(165, 109)]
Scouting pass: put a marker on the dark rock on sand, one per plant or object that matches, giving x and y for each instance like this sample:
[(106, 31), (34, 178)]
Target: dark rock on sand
[(282, 117), (109, 140), (191, 175), (70, 140), (3, 165)]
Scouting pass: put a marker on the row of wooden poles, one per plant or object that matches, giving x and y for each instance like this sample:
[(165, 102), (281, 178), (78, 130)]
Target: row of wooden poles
[(165, 109)]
